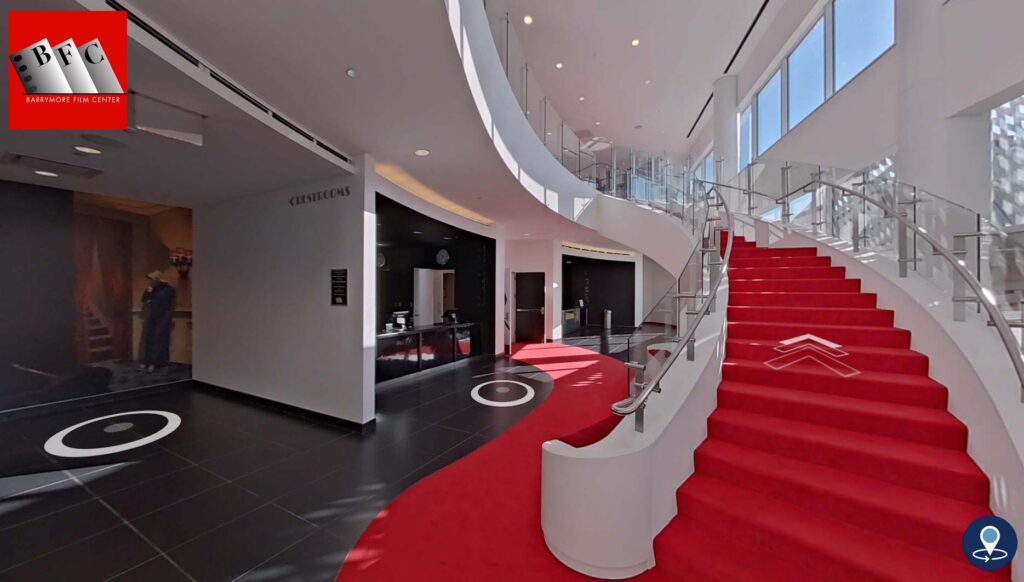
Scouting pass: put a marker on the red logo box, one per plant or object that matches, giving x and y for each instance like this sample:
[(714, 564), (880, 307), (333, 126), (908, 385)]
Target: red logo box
[(67, 70)]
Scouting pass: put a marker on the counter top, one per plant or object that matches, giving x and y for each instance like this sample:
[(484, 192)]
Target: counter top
[(421, 329)]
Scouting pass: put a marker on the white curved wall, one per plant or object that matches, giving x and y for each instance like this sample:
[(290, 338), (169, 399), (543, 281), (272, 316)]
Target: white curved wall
[(657, 235)]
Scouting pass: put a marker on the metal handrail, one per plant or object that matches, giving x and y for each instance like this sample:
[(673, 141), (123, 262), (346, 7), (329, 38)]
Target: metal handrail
[(1013, 349), (1001, 325), (636, 403)]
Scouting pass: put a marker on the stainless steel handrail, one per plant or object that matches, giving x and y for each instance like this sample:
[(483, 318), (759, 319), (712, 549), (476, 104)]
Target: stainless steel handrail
[(636, 403), (1013, 349)]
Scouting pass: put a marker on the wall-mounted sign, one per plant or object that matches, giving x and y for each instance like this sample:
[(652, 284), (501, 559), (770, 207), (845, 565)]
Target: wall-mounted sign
[(339, 286), (320, 195)]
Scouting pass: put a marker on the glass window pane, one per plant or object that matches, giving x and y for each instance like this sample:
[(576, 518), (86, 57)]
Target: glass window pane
[(709, 166), (864, 30), (807, 75), (769, 113), (744, 156)]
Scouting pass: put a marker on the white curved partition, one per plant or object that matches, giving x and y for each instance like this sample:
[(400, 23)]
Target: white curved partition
[(660, 236), (602, 505)]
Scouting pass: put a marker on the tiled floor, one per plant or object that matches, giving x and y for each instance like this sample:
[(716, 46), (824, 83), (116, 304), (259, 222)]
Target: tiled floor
[(240, 491)]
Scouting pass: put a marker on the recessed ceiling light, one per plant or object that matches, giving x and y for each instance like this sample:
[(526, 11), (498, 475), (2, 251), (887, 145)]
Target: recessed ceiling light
[(447, 238), (526, 234), (528, 19), (597, 123), (635, 42), (582, 98), (422, 153), (45, 173), (638, 127), (351, 73), (647, 82), (417, 232), (87, 150), (559, 65)]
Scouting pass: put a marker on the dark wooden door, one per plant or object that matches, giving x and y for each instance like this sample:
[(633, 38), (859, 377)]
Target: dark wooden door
[(529, 307)]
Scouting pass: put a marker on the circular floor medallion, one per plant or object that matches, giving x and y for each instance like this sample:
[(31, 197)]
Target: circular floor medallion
[(481, 393), (56, 447)]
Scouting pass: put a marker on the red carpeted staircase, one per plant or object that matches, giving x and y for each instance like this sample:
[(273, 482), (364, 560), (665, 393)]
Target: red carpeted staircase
[(809, 474)]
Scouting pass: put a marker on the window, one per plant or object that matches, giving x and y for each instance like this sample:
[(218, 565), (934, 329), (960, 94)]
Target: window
[(807, 75), (864, 29), (769, 113), (745, 139), (709, 166)]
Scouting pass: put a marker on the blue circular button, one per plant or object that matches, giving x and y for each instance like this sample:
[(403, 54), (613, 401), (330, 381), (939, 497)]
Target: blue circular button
[(990, 543)]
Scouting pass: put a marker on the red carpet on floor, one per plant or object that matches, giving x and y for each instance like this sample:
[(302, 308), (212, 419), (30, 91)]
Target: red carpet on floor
[(479, 518)]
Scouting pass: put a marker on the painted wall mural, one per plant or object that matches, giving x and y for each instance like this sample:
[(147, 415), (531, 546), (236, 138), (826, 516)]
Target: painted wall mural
[(97, 297)]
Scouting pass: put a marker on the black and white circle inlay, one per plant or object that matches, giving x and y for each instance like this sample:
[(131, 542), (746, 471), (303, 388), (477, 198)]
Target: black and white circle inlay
[(57, 446), (502, 393)]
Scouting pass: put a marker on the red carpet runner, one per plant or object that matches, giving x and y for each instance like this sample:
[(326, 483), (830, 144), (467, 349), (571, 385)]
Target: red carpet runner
[(845, 467), (479, 518), (841, 468)]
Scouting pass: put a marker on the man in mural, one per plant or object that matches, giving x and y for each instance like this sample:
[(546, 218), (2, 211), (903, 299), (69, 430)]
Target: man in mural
[(158, 313)]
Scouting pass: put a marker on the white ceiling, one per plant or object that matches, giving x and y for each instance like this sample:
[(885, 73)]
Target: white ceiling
[(240, 155), (409, 91), (684, 46)]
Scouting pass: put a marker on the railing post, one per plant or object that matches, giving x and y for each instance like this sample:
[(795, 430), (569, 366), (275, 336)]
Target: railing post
[(635, 388), (902, 248), (750, 194), (959, 285), (785, 193), (856, 230)]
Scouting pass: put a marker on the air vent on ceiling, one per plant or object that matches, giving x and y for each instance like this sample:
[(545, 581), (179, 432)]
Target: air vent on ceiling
[(153, 32), (31, 163)]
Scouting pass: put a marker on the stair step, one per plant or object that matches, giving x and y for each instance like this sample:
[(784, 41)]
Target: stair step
[(795, 299), (760, 252), (932, 522), (864, 358), (786, 285), (846, 335), (826, 549), (931, 469), (909, 389), (929, 426), (777, 262), (822, 315), (685, 551), (787, 273)]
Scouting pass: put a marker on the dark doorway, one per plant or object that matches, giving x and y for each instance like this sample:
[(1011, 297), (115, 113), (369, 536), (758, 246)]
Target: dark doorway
[(600, 285), (530, 307)]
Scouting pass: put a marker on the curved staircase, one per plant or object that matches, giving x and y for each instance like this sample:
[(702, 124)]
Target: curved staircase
[(829, 463)]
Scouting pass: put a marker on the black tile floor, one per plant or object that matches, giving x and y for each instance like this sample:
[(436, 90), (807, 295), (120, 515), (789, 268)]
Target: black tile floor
[(242, 490)]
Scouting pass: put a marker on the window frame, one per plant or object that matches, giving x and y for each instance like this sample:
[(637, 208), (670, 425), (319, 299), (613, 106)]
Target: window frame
[(828, 17)]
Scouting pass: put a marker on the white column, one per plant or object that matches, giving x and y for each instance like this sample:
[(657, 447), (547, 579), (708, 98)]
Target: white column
[(726, 133)]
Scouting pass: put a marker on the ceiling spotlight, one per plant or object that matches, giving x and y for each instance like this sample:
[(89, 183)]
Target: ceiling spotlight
[(528, 19), (45, 173), (559, 65), (582, 98), (417, 232), (597, 123), (635, 42), (647, 82), (351, 73), (422, 153), (87, 150)]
